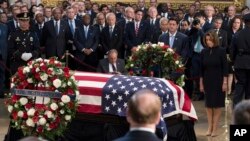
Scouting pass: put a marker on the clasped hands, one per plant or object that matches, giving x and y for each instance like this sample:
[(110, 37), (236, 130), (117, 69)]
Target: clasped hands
[(26, 56), (87, 51)]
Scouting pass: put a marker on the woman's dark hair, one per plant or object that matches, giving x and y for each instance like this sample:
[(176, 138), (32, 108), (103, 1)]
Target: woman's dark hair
[(233, 20), (213, 36)]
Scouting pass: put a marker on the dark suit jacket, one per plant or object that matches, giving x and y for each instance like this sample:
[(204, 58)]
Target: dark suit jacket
[(38, 31), (11, 26), (152, 29), (207, 26), (180, 44), (55, 45), (130, 37), (115, 42), (139, 136), (91, 42), (240, 49), (103, 66), (3, 41), (223, 38)]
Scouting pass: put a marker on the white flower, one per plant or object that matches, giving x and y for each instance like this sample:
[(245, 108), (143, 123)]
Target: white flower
[(10, 108), (39, 60), (69, 83), (64, 85), (44, 77), (20, 113), (30, 122), (42, 121), (16, 105), (170, 50), (62, 112), (77, 92), (41, 64), (47, 84), (67, 117), (37, 69), (49, 114), (153, 45), (30, 80), (23, 101), (161, 44), (131, 65), (72, 77), (31, 112), (61, 103), (180, 65), (26, 70), (57, 83), (65, 99), (53, 106), (177, 62)]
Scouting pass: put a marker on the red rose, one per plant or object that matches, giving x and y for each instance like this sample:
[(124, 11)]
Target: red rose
[(66, 69), (175, 56), (14, 115), (43, 68), (58, 64), (39, 129), (70, 91), (165, 47), (28, 106), (52, 125), (35, 119), (131, 72), (144, 72), (49, 71), (25, 116), (15, 98)]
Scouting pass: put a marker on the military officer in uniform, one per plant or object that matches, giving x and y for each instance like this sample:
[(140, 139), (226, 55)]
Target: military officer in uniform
[(23, 43), (240, 55)]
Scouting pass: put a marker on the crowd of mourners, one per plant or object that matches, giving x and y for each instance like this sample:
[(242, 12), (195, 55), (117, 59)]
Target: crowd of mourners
[(86, 33)]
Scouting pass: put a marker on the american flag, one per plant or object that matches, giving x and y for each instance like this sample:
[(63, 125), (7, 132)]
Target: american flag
[(108, 94)]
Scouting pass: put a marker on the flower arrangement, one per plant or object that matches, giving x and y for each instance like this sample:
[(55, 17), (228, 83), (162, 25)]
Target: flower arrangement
[(49, 119), (157, 60)]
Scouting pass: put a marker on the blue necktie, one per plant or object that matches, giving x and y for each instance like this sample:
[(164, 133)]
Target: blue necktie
[(71, 27), (86, 32), (171, 41)]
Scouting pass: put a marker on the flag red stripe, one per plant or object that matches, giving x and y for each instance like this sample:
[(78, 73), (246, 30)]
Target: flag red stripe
[(90, 91), (187, 104), (85, 108), (177, 90), (91, 78)]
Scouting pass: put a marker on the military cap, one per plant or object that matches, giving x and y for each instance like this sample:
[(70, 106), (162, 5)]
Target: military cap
[(246, 17), (23, 16)]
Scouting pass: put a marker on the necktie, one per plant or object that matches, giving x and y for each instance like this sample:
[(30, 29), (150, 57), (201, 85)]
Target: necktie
[(114, 68), (110, 31), (71, 27), (136, 28), (197, 48), (152, 23), (101, 27), (86, 32), (40, 27), (217, 31), (171, 41), (56, 27)]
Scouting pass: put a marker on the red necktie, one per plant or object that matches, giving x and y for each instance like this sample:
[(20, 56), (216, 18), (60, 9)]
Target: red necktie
[(136, 28)]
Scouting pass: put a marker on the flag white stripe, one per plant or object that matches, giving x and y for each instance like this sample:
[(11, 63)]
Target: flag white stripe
[(91, 100), (94, 84), (92, 74)]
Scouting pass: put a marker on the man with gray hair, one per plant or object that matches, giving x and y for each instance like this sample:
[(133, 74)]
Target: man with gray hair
[(143, 114)]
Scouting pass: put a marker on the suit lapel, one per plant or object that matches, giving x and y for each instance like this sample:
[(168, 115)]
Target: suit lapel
[(106, 66)]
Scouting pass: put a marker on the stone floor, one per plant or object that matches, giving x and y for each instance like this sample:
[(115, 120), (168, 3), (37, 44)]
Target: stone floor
[(200, 126)]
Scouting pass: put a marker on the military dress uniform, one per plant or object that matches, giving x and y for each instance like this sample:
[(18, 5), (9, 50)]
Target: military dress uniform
[(21, 45), (240, 55)]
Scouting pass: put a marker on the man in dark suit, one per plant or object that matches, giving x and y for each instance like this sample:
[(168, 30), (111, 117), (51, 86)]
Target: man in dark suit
[(86, 41), (164, 29), (222, 34), (55, 35), (135, 33), (112, 64), (3, 55), (112, 35), (13, 24), (240, 55), (73, 23), (176, 40), (100, 24), (152, 23), (143, 114)]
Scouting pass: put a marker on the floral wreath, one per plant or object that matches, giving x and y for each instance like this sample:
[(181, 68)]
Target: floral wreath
[(49, 119), (157, 60)]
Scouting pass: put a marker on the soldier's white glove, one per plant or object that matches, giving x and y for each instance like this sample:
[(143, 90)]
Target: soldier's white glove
[(26, 56)]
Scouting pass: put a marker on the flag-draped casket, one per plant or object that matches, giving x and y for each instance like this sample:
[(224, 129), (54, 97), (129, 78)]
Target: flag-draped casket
[(108, 94)]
